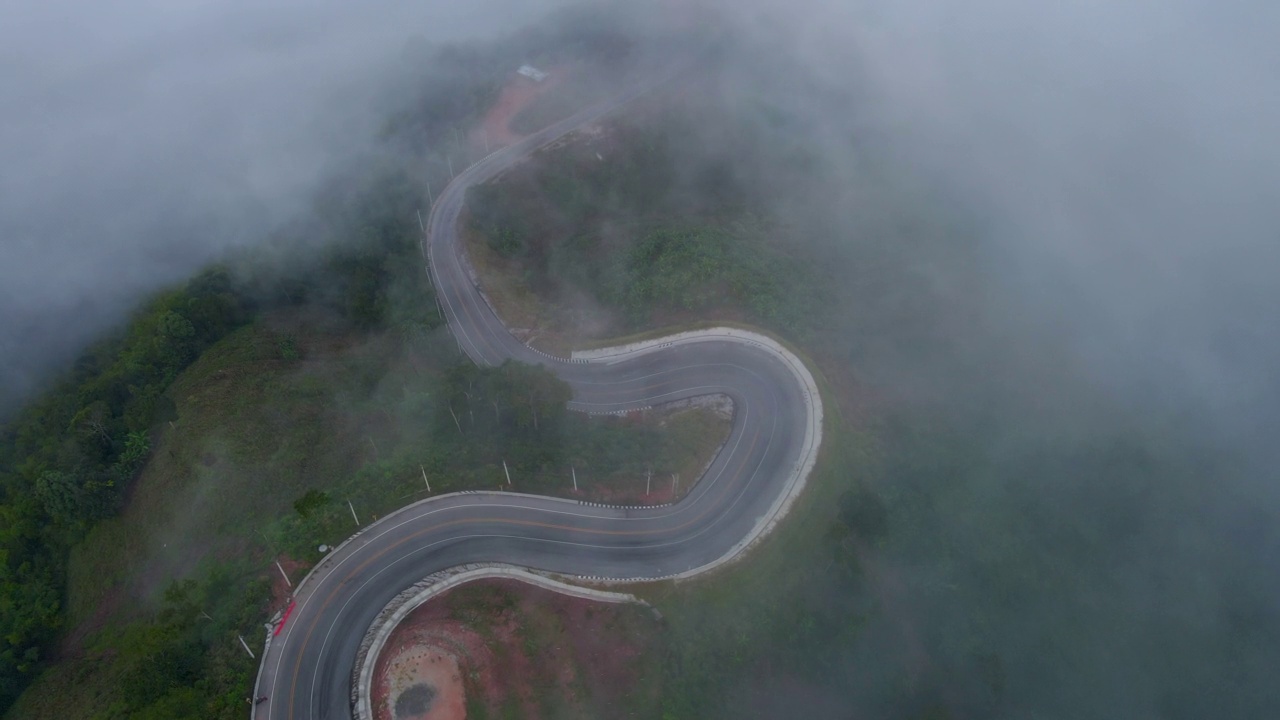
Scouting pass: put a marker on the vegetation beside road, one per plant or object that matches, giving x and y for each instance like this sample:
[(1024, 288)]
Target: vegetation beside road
[(70, 458), (529, 652), (594, 234)]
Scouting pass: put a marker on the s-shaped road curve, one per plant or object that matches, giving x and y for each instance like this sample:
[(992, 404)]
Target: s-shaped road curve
[(306, 672)]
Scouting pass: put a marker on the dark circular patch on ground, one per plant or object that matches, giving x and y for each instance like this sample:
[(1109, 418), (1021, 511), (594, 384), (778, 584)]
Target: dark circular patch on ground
[(415, 700)]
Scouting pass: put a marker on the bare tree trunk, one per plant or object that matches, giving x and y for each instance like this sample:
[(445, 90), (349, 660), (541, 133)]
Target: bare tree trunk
[(99, 428)]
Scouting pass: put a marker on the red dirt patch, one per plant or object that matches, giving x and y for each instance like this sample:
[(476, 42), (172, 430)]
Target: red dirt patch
[(281, 592), (421, 682), (520, 650), (516, 96)]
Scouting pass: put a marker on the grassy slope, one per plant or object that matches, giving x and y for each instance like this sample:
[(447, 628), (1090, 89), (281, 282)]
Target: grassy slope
[(253, 435)]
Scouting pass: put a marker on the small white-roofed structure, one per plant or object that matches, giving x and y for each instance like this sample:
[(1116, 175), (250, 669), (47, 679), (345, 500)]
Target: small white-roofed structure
[(532, 73)]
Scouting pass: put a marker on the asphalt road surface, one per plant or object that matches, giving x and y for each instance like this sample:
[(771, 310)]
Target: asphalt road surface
[(307, 672)]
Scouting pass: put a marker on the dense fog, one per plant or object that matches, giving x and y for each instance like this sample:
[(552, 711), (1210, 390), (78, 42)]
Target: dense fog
[(1051, 236), (139, 140)]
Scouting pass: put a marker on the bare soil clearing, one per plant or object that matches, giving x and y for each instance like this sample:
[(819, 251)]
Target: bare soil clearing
[(505, 649), (519, 93), (420, 682)]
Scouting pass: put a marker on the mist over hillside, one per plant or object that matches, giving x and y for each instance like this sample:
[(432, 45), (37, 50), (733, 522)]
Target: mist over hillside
[(1045, 243), (1092, 228), (139, 141)]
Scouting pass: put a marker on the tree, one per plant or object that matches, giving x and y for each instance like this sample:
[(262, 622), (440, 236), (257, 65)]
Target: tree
[(514, 399), (148, 407), (213, 305), (174, 326), (174, 341), (137, 446), (312, 501), (95, 421), (537, 398), (31, 616), (62, 497)]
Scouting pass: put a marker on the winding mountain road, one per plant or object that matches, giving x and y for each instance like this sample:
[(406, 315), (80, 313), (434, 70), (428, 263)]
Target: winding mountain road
[(306, 672)]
